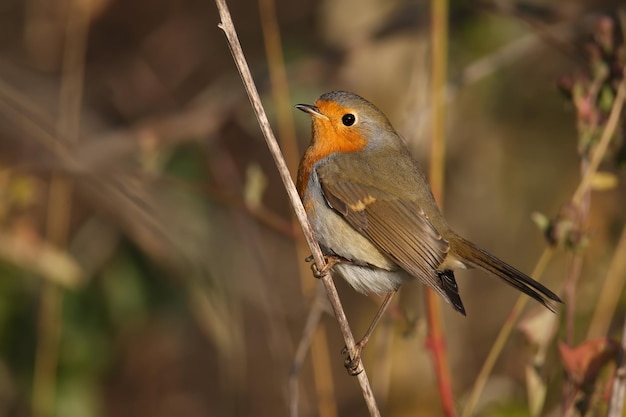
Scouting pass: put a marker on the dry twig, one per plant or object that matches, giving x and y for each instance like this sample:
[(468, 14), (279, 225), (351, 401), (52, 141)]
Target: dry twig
[(229, 30)]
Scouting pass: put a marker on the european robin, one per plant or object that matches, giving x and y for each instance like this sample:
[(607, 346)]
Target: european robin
[(374, 214)]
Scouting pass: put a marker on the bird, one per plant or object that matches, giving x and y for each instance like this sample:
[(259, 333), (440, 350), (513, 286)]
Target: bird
[(374, 216)]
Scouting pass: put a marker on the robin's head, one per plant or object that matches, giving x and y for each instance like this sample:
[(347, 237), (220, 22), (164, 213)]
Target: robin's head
[(343, 123), (346, 122)]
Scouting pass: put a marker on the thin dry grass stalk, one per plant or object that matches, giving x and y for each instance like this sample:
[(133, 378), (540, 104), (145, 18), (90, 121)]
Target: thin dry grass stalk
[(611, 292), (59, 210), (436, 337), (233, 41)]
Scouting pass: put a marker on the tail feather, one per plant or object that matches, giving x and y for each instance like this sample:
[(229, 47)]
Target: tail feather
[(451, 290), (474, 256)]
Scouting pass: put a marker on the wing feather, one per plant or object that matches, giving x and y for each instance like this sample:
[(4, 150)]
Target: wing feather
[(398, 227)]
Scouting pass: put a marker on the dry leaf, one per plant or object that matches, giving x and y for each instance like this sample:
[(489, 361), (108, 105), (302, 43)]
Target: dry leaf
[(540, 328), (541, 220), (584, 362), (41, 259)]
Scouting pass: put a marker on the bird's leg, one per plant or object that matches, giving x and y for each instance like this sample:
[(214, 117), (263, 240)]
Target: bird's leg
[(353, 360), (331, 260)]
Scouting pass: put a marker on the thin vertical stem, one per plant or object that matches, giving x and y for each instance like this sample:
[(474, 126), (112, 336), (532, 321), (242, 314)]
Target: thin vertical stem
[(280, 84), (611, 292), (436, 337), (59, 209), (438, 83), (51, 305)]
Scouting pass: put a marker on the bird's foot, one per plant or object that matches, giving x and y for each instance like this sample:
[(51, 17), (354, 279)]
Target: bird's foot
[(352, 362), (331, 260)]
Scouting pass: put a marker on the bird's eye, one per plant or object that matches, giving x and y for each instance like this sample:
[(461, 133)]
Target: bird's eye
[(348, 119)]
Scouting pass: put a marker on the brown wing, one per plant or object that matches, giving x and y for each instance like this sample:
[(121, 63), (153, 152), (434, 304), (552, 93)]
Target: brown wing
[(398, 227)]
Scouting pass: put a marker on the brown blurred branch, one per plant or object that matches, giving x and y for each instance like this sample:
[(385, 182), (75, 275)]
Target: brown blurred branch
[(97, 165), (538, 27), (202, 118), (229, 30), (89, 159)]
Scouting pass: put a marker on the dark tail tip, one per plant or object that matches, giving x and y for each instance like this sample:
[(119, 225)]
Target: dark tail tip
[(451, 290)]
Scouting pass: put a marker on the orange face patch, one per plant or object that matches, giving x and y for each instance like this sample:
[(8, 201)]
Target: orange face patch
[(332, 135), (329, 136)]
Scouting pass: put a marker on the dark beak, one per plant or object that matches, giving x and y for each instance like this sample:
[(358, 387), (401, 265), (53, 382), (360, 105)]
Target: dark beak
[(310, 109)]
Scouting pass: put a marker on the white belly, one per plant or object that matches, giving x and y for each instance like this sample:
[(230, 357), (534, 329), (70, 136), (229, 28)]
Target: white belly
[(367, 279), (370, 270)]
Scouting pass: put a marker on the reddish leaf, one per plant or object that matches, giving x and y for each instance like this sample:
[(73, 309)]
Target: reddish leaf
[(584, 362)]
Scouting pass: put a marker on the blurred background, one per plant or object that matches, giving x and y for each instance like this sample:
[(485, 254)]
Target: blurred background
[(149, 263)]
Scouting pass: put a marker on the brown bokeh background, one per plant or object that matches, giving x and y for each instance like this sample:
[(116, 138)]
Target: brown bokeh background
[(137, 193)]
